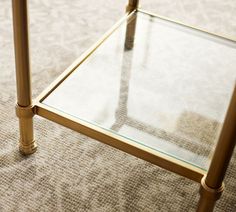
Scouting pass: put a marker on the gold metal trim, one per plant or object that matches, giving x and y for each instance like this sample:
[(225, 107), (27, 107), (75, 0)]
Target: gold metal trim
[(80, 60), (24, 112), (119, 142), (186, 25), (70, 121), (211, 192), (85, 55)]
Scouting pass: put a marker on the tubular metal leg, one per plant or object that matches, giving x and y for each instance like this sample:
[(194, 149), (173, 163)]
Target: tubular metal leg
[(130, 28), (24, 108), (211, 185), (132, 5)]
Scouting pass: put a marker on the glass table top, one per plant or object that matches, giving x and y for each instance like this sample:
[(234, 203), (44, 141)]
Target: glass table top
[(157, 83)]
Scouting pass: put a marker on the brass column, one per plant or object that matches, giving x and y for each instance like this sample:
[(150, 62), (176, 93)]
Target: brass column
[(211, 185), (24, 107), (131, 25), (132, 5)]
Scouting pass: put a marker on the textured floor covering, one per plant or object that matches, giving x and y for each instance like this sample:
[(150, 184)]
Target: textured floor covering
[(71, 172)]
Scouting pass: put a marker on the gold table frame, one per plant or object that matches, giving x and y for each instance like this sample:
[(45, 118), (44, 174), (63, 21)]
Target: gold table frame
[(211, 181)]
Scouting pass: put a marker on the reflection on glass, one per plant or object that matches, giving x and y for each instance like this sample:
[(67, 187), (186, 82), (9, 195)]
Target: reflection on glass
[(156, 83)]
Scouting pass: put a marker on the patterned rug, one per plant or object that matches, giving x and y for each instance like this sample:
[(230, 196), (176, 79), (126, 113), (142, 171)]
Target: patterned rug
[(71, 172)]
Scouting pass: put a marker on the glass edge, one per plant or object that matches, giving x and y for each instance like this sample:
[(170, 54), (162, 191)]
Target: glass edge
[(130, 139)]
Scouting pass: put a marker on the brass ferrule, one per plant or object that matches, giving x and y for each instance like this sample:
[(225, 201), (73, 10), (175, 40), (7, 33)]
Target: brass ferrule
[(211, 193), (25, 112)]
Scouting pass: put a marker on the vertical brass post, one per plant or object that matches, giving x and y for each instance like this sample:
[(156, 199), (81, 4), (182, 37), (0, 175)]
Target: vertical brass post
[(130, 32), (131, 25), (132, 5), (211, 185), (24, 108)]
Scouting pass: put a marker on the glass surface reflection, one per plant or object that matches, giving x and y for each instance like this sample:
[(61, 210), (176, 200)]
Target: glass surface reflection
[(156, 83)]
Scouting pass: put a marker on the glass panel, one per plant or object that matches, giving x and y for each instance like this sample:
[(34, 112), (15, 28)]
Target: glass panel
[(166, 86)]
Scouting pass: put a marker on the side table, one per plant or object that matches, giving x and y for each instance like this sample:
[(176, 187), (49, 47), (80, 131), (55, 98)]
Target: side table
[(150, 87)]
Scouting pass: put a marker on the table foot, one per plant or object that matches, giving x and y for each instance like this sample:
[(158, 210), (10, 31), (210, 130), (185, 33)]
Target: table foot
[(27, 143)]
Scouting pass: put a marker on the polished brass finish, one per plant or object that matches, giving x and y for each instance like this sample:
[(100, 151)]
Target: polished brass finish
[(23, 77), (221, 158), (119, 142)]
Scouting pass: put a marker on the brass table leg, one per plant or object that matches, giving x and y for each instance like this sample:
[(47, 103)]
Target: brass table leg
[(130, 28), (24, 108), (211, 185), (132, 5)]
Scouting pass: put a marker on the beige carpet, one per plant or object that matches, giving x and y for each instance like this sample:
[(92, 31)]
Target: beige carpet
[(71, 172)]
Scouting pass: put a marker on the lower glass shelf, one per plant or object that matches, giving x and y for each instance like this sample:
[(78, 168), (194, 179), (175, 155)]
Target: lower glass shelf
[(157, 83)]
